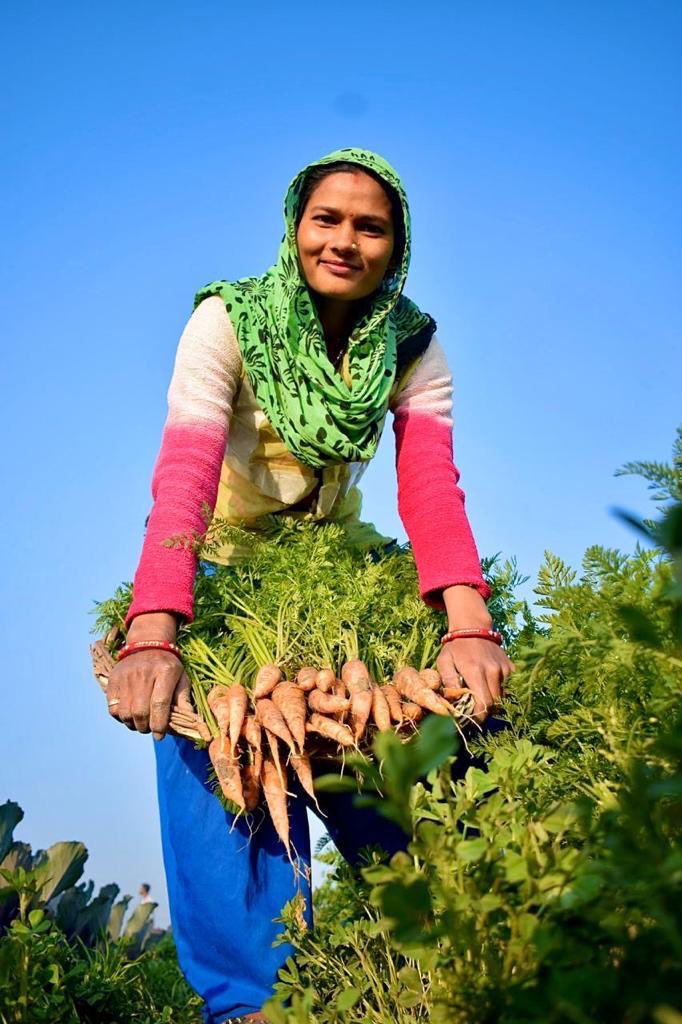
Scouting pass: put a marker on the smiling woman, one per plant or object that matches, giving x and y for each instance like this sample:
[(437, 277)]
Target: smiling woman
[(281, 388), (346, 242)]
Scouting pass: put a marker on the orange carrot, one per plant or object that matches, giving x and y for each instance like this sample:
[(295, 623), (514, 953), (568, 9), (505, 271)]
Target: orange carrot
[(412, 712), (360, 710), (340, 688), (301, 765), (266, 680), (276, 799), (430, 678), (330, 729), (381, 712), (219, 702), (307, 678), (251, 785), (355, 675), (251, 731), (408, 683), (276, 759), (238, 704), (289, 699), (325, 680), (327, 703), (455, 692), (226, 768), (271, 718), (393, 699)]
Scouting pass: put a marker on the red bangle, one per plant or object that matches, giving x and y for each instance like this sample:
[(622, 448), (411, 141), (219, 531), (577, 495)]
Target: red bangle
[(149, 645), (483, 634)]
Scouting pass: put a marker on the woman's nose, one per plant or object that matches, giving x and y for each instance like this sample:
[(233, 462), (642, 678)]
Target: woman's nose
[(344, 239)]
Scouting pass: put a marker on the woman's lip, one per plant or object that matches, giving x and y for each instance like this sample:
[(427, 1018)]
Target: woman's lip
[(339, 268)]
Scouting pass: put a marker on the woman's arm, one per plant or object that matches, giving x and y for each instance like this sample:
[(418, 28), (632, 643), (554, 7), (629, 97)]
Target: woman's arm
[(430, 502), (431, 506), (207, 370), (187, 471)]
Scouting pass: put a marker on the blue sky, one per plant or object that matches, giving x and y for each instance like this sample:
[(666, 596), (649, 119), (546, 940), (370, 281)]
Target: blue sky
[(146, 150)]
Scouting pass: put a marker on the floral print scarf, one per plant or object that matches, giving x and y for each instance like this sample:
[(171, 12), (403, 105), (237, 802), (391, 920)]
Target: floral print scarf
[(320, 417)]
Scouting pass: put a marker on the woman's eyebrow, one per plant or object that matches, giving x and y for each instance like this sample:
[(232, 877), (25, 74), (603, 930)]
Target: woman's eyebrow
[(360, 216)]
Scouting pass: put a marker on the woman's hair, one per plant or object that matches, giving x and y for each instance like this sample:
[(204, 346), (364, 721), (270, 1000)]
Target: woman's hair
[(316, 174)]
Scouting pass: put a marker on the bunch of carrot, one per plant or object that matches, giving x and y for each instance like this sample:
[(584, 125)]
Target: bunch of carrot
[(258, 736)]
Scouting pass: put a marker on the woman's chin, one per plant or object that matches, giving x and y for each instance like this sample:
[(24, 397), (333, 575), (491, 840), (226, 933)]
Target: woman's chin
[(342, 291)]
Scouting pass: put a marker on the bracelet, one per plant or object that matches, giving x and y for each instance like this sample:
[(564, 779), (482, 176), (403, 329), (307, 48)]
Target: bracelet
[(149, 645), (483, 634)]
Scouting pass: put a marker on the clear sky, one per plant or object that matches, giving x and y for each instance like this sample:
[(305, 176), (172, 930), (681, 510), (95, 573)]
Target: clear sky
[(145, 151)]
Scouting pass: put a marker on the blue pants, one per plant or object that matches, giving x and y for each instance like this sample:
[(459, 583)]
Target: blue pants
[(225, 885)]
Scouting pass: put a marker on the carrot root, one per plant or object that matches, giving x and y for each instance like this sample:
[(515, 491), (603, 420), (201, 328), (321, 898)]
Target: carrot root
[(412, 712), (381, 712), (267, 678), (270, 717), (289, 699), (276, 799), (226, 768), (431, 678), (356, 677), (408, 683), (330, 729), (360, 710), (455, 692), (304, 773), (393, 700), (325, 680), (307, 678), (238, 706), (327, 703)]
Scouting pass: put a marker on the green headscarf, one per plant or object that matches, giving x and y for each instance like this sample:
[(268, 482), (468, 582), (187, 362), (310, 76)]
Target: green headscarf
[(319, 418)]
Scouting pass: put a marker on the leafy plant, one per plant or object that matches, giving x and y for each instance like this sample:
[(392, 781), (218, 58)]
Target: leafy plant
[(547, 888), (64, 957)]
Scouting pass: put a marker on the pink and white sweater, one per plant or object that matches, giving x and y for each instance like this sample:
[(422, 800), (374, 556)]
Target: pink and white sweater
[(219, 451)]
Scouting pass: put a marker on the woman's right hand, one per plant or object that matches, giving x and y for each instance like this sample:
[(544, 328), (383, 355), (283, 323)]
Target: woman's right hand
[(143, 685)]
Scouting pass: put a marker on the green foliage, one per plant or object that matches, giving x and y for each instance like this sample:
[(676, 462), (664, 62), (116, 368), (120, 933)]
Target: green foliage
[(47, 880), (307, 596), (548, 888), (63, 959), (665, 479), (10, 816), (46, 980), (391, 782)]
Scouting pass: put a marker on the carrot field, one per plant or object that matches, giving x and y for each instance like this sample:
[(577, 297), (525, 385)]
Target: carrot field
[(545, 888)]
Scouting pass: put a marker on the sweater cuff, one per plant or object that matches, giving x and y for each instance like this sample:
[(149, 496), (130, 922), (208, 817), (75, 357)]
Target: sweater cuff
[(433, 596)]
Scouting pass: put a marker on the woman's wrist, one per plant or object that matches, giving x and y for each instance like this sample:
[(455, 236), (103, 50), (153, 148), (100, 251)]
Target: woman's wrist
[(153, 626), (465, 608)]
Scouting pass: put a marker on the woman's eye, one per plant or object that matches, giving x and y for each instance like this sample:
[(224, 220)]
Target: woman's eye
[(373, 229), (325, 218)]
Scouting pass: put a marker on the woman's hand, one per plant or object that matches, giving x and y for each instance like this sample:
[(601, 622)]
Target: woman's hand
[(144, 684), (477, 663)]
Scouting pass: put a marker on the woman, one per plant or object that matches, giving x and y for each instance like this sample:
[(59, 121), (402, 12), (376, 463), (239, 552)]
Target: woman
[(277, 403)]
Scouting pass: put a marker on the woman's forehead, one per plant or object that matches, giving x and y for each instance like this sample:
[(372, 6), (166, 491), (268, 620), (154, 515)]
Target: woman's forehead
[(350, 188)]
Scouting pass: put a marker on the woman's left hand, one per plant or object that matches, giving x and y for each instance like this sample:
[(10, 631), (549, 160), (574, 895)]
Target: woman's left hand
[(479, 664)]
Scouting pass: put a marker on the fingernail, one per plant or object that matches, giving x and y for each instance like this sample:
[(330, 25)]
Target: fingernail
[(157, 735)]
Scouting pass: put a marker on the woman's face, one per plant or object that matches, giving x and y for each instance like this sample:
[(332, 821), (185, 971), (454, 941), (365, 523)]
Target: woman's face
[(345, 236)]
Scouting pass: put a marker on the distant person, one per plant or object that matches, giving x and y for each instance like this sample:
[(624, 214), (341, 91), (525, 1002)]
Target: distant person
[(144, 892), (281, 388)]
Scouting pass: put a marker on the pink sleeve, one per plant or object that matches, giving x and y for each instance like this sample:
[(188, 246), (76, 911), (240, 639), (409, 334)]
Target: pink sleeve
[(430, 503), (187, 470)]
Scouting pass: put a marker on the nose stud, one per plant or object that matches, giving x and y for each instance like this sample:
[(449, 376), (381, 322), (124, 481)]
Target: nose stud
[(354, 247)]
